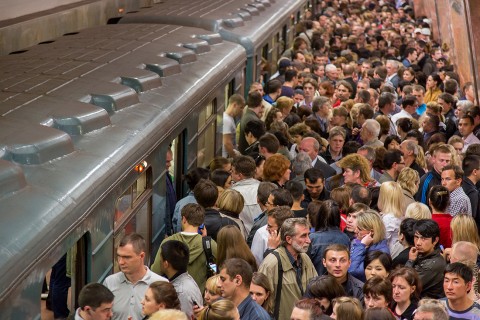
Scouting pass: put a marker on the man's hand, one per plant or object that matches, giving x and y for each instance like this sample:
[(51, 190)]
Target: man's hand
[(273, 240), (413, 254)]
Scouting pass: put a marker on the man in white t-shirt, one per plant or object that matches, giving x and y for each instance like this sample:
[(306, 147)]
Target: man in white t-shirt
[(234, 110), (409, 107)]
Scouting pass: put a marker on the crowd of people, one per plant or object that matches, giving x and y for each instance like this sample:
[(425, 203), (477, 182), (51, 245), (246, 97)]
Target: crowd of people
[(348, 189)]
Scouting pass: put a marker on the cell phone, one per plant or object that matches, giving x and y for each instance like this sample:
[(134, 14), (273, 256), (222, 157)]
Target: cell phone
[(195, 303), (200, 228), (213, 266)]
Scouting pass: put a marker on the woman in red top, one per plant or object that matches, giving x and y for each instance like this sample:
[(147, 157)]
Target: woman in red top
[(439, 199)]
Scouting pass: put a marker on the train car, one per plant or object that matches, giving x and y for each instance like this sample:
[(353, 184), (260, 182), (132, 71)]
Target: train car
[(265, 28), (25, 23), (86, 123)]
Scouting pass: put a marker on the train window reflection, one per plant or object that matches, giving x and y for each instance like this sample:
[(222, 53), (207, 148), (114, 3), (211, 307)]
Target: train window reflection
[(139, 223), (206, 135), (127, 200)]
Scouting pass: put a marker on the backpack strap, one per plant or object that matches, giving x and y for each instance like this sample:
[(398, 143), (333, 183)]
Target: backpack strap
[(207, 248), (278, 291)]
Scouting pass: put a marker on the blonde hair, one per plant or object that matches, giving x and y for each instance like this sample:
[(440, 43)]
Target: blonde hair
[(370, 220), (168, 314), (436, 109), (464, 228), (231, 200), (418, 211), (390, 199), (219, 310), (348, 308), (211, 284), (356, 162), (408, 179), (284, 103), (455, 159), (420, 158)]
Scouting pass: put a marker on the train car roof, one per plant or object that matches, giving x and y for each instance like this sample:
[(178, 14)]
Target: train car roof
[(245, 22), (78, 113)]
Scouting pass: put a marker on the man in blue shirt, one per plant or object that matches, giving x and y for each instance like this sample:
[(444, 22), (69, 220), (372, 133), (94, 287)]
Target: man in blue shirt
[(235, 277)]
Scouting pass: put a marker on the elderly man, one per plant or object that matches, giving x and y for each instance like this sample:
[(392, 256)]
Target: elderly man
[(331, 73), (311, 146), (392, 76), (370, 132), (370, 154), (409, 150), (295, 263)]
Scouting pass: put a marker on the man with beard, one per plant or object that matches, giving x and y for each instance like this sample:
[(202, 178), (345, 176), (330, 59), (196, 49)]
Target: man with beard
[(295, 268)]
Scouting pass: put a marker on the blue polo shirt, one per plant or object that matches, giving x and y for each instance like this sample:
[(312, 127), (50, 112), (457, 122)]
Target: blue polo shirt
[(250, 310)]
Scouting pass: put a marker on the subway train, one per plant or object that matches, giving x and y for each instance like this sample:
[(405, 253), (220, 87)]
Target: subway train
[(87, 120)]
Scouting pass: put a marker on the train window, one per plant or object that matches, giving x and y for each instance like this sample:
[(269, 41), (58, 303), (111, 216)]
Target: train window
[(139, 223), (127, 200), (63, 282), (133, 211), (285, 43), (206, 135), (275, 54), (229, 90), (265, 52)]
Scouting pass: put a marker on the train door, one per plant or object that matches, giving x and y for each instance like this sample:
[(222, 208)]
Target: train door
[(63, 282)]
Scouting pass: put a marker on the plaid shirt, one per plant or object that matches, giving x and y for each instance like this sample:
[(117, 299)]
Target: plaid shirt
[(459, 203)]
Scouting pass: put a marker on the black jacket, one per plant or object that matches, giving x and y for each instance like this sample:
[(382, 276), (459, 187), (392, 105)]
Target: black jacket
[(324, 195), (430, 270), (474, 196), (325, 168), (214, 222)]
